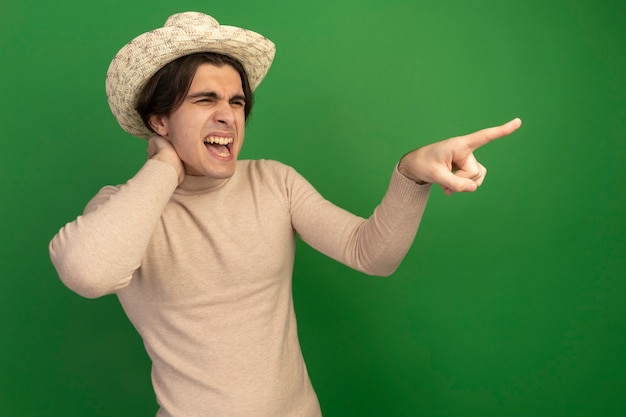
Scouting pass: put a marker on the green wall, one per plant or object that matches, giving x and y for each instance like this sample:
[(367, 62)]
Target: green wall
[(510, 303)]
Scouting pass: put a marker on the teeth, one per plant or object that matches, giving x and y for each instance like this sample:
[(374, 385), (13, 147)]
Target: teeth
[(219, 140)]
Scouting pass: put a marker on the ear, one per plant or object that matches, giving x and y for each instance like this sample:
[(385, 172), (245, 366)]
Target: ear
[(159, 123)]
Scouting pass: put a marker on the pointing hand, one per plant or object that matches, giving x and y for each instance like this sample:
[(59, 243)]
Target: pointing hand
[(451, 163)]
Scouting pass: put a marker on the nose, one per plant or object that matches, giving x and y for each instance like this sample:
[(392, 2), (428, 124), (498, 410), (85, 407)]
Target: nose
[(224, 113)]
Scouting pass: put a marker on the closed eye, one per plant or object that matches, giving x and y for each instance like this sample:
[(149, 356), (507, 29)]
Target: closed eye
[(203, 97)]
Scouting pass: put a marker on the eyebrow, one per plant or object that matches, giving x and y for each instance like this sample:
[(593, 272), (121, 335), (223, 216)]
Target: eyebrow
[(214, 95)]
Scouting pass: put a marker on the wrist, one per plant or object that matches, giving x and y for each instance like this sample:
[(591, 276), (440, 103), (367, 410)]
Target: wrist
[(404, 170), (174, 163)]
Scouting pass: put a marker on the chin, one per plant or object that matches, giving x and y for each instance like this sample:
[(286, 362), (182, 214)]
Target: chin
[(222, 173)]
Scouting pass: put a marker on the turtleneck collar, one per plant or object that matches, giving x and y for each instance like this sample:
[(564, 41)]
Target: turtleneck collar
[(194, 184)]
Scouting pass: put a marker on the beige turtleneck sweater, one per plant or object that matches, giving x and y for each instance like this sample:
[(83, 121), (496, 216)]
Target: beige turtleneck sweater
[(204, 273)]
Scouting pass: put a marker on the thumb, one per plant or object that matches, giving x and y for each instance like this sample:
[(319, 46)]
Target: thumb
[(452, 183)]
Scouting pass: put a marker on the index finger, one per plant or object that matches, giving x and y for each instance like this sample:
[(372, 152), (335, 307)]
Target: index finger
[(482, 137)]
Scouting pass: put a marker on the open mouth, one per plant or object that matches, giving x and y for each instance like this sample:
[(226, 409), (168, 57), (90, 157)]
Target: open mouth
[(219, 146)]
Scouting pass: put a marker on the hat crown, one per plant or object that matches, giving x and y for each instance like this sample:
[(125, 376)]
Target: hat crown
[(190, 19)]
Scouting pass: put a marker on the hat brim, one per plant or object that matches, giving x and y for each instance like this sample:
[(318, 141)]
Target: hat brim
[(183, 34)]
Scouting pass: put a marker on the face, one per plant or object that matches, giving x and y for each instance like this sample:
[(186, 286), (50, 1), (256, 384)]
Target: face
[(207, 130)]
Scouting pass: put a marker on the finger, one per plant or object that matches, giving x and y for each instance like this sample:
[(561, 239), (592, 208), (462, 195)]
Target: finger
[(466, 179), (482, 137), (446, 190), (157, 143), (472, 170), (450, 182), (481, 178)]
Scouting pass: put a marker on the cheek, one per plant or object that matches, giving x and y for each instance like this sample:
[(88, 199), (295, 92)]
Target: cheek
[(179, 134), (183, 147), (181, 141)]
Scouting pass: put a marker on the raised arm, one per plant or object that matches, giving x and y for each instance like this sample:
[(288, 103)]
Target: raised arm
[(378, 244), (98, 253), (374, 246)]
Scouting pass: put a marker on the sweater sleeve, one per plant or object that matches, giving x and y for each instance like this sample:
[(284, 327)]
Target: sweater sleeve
[(376, 245), (98, 253)]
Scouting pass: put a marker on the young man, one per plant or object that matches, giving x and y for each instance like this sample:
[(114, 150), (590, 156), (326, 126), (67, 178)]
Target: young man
[(199, 247)]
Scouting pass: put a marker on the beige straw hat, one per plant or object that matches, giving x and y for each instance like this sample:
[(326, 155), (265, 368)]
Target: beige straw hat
[(183, 34)]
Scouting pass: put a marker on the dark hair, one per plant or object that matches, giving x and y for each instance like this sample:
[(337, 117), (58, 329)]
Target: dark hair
[(166, 90)]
